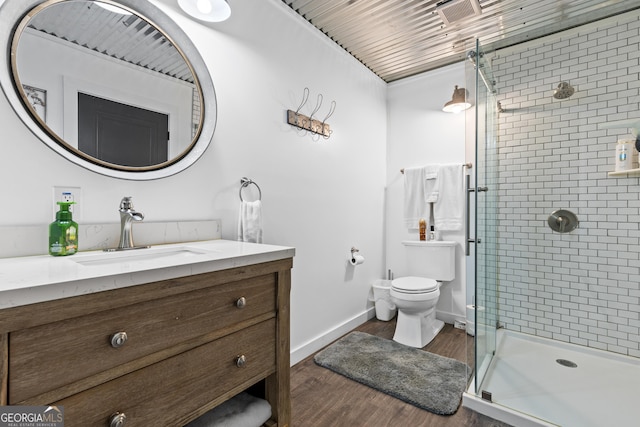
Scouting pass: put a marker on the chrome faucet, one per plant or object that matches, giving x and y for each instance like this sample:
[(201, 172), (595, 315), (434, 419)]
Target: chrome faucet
[(127, 216)]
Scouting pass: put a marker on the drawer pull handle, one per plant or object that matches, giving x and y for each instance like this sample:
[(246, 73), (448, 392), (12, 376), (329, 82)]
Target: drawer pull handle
[(241, 361), (118, 419), (241, 303), (118, 340)]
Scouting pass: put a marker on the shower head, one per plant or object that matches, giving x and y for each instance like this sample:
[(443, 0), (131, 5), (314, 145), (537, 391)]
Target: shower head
[(564, 91)]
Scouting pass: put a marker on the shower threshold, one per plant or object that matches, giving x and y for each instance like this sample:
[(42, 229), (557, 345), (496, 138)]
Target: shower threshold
[(530, 388)]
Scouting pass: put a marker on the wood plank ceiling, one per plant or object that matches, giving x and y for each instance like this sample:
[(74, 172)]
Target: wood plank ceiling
[(400, 38)]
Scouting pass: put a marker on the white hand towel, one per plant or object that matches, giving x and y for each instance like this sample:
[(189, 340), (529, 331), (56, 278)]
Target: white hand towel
[(448, 211), (250, 222), (415, 206), (431, 183)]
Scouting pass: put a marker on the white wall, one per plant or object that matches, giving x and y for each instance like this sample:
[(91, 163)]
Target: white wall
[(320, 196), (420, 133)]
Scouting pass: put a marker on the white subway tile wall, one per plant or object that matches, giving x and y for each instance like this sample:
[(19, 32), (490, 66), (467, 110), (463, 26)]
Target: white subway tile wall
[(581, 287)]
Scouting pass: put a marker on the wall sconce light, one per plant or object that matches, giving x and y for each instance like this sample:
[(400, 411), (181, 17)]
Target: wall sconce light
[(207, 10), (458, 101)]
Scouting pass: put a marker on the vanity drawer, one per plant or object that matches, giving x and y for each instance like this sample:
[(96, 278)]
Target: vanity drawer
[(50, 356), (161, 394)]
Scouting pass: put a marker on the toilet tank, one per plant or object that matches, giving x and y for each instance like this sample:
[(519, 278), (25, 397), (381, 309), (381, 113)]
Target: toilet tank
[(434, 259)]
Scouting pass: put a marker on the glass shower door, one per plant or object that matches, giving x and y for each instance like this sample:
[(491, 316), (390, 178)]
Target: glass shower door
[(484, 199)]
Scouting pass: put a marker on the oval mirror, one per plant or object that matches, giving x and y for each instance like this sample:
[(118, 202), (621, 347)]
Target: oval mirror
[(116, 87)]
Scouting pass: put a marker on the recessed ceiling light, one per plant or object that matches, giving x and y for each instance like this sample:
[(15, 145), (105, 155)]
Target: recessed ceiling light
[(207, 10)]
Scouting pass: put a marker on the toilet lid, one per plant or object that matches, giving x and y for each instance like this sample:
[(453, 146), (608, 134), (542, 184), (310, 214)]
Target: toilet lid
[(411, 285)]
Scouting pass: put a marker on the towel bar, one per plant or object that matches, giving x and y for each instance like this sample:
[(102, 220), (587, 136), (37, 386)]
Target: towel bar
[(465, 165), (245, 182)]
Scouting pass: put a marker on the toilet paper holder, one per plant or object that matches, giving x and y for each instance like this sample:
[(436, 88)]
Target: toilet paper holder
[(355, 258)]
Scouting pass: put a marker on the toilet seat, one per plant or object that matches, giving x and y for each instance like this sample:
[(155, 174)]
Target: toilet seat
[(414, 285)]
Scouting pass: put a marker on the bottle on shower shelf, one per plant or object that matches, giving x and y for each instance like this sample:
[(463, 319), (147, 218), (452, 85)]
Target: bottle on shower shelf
[(626, 155)]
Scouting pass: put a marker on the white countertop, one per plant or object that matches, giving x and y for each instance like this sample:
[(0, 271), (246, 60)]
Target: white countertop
[(28, 280)]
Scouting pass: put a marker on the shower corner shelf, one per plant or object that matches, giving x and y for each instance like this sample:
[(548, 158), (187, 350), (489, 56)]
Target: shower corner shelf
[(625, 173), (629, 123)]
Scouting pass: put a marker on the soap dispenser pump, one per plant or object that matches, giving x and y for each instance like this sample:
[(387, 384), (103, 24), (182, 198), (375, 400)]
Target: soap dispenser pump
[(63, 232)]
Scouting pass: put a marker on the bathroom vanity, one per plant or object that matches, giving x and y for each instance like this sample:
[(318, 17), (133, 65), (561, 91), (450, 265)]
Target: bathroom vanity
[(152, 338)]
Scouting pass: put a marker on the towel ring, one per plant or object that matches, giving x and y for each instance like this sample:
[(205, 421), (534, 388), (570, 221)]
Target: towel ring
[(245, 182)]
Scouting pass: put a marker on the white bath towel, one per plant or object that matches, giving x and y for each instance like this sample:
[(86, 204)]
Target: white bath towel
[(250, 222), (448, 211), (415, 206), (243, 410)]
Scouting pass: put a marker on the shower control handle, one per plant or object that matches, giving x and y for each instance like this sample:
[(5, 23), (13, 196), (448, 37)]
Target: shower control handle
[(563, 221)]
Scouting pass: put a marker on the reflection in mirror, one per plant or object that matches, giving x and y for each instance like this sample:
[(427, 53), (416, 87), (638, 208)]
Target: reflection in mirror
[(107, 85)]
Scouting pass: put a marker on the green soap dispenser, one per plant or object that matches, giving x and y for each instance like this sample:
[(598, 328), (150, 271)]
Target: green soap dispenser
[(63, 232)]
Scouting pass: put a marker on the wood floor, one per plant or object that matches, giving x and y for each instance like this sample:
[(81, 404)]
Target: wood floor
[(322, 398)]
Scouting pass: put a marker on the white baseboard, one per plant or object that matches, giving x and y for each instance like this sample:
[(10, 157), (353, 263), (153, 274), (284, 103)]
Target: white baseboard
[(450, 318), (305, 350)]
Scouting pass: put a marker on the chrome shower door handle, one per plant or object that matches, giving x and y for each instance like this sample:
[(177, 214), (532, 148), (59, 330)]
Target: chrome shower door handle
[(469, 190), (467, 204)]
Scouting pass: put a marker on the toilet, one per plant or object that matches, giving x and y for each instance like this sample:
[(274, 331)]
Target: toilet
[(430, 263)]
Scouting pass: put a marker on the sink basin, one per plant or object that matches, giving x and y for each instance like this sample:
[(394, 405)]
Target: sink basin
[(139, 256)]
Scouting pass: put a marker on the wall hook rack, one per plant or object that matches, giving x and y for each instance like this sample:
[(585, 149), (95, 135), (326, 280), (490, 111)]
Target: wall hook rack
[(308, 123)]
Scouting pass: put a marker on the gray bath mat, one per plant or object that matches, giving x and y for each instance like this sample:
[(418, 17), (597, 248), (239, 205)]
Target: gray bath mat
[(423, 379)]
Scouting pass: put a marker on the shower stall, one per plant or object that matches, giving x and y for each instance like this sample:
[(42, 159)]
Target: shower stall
[(556, 310)]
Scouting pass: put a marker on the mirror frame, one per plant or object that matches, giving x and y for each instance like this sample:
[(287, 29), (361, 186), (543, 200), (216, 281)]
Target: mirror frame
[(12, 12)]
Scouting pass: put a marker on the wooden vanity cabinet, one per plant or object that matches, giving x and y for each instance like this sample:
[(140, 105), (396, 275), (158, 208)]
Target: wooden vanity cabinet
[(161, 353)]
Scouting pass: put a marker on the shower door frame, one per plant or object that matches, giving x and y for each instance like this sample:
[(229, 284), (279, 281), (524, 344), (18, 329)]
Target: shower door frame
[(483, 204)]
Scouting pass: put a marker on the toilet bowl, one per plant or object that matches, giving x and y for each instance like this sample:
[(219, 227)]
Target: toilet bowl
[(416, 299), (416, 295)]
